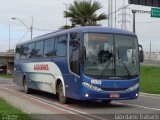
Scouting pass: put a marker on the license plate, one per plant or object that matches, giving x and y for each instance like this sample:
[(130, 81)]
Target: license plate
[(114, 95)]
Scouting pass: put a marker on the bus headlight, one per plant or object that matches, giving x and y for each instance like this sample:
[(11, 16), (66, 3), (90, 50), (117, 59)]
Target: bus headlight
[(91, 86), (134, 87)]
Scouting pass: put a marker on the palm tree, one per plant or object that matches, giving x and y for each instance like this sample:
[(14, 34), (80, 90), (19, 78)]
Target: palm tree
[(83, 13)]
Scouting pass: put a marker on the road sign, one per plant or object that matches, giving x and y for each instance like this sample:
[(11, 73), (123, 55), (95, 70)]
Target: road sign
[(155, 12), (154, 3)]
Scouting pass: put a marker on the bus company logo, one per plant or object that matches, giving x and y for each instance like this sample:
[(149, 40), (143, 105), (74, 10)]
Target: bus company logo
[(115, 85), (41, 67)]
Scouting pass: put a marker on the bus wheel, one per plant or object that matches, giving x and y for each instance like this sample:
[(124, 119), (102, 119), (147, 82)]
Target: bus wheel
[(61, 96), (25, 85), (107, 101)]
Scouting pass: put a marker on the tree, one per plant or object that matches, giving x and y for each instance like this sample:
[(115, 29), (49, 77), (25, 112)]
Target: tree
[(83, 13)]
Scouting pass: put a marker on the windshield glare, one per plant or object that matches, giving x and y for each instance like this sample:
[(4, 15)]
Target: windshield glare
[(109, 55)]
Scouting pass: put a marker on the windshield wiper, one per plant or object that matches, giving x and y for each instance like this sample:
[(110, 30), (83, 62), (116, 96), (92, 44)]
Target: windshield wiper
[(125, 66)]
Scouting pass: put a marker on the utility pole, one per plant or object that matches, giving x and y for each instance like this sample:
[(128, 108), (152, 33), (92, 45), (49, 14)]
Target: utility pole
[(110, 16), (31, 28), (124, 15), (150, 50), (115, 13), (66, 11), (108, 13), (150, 47), (134, 21), (9, 37)]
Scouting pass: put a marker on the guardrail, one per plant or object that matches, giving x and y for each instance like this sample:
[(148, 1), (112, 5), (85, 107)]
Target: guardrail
[(6, 54), (152, 57)]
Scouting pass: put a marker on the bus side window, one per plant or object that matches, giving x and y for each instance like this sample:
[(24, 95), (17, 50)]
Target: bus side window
[(24, 49), (74, 53), (31, 50), (18, 51), (61, 46), (39, 49), (48, 48)]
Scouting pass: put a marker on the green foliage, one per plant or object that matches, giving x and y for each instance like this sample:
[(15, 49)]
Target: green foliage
[(65, 27), (8, 112), (84, 13), (6, 76), (150, 79)]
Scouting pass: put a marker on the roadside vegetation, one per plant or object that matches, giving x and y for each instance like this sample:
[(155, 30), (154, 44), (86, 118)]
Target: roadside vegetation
[(6, 76), (84, 13), (150, 79), (8, 112)]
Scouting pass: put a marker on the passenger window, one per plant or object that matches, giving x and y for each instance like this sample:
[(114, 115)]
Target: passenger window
[(18, 51), (39, 49), (74, 53), (48, 48), (61, 46), (24, 49), (31, 50)]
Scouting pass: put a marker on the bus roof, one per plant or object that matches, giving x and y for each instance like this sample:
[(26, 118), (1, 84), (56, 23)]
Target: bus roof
[(96, 29)]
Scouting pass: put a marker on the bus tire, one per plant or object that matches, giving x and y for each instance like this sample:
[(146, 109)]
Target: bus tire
[(61, 96), (25, 86)]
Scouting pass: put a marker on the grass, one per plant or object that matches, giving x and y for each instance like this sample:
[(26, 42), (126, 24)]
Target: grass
[(150, 79), (6, 76), (8, 112)]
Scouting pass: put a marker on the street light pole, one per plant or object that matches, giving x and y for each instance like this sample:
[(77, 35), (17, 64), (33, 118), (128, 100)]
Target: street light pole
[(66, 10), (9, 37), (30, 28), (115, 13), (134, 20)]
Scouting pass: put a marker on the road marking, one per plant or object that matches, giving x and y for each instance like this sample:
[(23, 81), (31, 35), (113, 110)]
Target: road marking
[(156, 109), (75, 110), (149, 94), (61, 107), (5, 85), (31, 97), (150, 97)]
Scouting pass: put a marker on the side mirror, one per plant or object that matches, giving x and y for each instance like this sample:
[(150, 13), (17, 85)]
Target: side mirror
[(141, 54)]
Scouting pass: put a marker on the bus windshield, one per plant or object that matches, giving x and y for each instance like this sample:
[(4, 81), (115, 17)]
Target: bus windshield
[(111, 55)]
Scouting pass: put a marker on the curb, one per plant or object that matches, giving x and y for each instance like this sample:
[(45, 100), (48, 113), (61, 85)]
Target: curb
[(150, 94)]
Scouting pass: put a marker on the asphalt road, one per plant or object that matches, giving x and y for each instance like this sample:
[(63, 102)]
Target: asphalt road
[(146, 104)]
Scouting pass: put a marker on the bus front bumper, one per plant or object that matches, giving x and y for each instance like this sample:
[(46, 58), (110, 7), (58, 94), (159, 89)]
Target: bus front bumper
[(89, 94)]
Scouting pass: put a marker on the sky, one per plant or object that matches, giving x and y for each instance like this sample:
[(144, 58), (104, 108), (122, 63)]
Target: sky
[(48, 16)]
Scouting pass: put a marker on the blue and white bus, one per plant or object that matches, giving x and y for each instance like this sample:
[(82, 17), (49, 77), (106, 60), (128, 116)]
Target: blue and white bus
[(83, 63)]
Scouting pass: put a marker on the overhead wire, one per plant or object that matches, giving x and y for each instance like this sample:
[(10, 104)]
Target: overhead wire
[(23, 36), (116, 12)]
